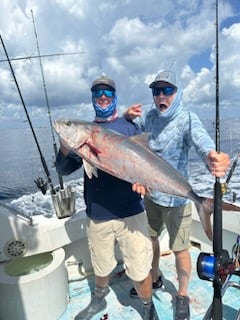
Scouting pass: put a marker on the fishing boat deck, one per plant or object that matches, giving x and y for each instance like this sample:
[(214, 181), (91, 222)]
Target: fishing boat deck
[(121, 306)]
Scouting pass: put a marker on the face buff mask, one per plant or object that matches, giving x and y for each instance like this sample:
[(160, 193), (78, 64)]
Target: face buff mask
[(106, 114), (171, 111)]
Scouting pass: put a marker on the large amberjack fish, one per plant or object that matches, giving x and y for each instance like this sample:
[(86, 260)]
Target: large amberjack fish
[(130, 160)]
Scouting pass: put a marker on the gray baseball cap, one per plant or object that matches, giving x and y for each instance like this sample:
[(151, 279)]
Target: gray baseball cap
[(103, 80), (164, 76)]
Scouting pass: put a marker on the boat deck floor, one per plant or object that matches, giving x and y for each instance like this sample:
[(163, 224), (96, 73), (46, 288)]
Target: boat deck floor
[(121, 306)]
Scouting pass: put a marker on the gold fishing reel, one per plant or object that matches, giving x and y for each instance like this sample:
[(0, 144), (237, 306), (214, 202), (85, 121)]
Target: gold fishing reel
[(224, 187)]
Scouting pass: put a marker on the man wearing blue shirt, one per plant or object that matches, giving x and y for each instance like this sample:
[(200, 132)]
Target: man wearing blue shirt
[(114, 213)]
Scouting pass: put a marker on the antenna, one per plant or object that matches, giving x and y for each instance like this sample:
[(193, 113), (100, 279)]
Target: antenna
[(173, 63)]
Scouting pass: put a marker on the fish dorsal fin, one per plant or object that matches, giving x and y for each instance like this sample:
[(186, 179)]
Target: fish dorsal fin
[(141, 139), (90, 169)]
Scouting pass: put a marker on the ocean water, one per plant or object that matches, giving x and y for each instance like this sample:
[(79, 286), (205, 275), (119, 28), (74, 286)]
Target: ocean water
[(21, 164)]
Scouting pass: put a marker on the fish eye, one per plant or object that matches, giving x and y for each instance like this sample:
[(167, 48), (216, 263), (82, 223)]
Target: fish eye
[(68, 123)]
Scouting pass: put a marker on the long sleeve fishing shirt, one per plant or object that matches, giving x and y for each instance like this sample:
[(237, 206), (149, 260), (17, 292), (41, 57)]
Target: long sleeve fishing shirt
[(171, 137), (106, 197)]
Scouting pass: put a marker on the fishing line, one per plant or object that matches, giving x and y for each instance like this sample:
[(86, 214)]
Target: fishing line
[(47, 102), (44, 164)]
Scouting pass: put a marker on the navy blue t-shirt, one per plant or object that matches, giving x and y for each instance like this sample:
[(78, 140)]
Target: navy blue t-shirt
[(106, 196)]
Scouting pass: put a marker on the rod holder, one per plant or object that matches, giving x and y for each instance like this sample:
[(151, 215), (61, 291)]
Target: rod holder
[(64, 202)]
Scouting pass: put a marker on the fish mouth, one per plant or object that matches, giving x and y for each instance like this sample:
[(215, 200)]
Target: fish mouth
[(57, 124)]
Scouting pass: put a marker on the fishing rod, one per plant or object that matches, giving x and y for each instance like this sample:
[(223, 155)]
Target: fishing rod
[(233, 167), (44, 164), (42, 56), (217, 214), (225, 187), (47, 102), (215, 267)]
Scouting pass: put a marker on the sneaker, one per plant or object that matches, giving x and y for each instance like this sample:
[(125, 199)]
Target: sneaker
[(149, 312), (182, 311), (156, 285), (95, 306)]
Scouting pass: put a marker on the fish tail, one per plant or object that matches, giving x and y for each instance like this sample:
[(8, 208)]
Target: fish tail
[(205, 208)]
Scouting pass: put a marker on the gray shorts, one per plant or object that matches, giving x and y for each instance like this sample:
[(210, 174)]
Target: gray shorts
[(177, 220), (135, 244)]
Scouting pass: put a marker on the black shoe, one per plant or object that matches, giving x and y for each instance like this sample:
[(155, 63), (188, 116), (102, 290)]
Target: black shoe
[(182, 308), (149, 312), (156, 285), (95, 306)]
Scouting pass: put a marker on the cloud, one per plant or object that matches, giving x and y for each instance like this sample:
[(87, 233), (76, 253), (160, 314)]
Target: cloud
[(128, 40)]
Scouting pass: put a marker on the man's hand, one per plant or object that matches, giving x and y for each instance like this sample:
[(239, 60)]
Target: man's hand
[(137, 187), (218, 163), (133, 112)]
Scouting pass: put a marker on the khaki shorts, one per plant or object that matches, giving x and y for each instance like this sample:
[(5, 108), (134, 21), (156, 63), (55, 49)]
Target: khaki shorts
[(177, 220), (134, 241)]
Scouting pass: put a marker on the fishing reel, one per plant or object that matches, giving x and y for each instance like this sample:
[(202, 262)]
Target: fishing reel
[(211, 268), (42, 185), (225, 189), (217, 268)]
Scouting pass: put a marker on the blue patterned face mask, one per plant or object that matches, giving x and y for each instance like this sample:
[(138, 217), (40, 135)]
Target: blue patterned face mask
[(106, 112)]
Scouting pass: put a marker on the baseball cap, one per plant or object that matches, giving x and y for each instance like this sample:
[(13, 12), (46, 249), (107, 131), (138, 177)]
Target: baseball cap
[(163, 77), (103, 80)]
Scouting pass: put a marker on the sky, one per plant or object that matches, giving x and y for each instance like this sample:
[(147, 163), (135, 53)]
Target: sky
[(127, 40)]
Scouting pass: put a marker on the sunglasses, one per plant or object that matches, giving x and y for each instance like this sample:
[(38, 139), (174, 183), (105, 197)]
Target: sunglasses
[(167, 91), (101, 92)]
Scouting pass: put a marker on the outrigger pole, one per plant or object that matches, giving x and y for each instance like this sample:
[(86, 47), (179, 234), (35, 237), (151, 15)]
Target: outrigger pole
[(44, 164), (47, 102), (63, 201), (42, 56)]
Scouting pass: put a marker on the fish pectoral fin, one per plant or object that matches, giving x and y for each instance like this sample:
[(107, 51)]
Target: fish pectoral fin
[(90, 169), (93, 149)]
